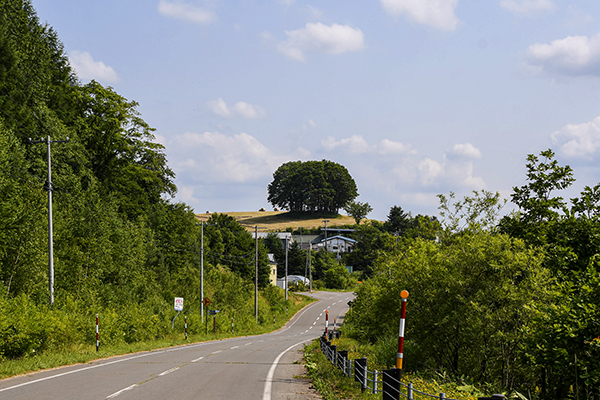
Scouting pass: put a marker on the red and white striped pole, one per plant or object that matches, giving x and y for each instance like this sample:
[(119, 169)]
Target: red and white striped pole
[(326, 320), (97, 334), (185, 319), (334, 325), (400, 356), (232, 326)]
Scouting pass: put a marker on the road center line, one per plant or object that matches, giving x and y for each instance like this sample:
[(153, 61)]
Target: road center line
[(197, 359), (168, 371), (121, 391)]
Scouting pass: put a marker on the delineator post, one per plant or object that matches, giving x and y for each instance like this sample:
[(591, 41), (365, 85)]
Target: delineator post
[(400, 355)]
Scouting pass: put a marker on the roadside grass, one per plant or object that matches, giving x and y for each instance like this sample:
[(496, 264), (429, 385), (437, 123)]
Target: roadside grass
[(85, 353), (333, 384), (281, 220)]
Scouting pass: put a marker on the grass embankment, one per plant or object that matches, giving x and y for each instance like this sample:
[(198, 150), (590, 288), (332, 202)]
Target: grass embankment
[(333, 384), (275, 221), (83, 353)]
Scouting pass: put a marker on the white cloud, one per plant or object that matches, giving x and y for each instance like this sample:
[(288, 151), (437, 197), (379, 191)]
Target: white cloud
[(88, 69), (466, 150), (390, 147), (527, 7), (392, 163), (317, 37), (314, 13), (435, 13), (239, 109), (355, 144), (430, 171), (186, 194), (579, 140), (186, 12), (212, 157), (573, 55)]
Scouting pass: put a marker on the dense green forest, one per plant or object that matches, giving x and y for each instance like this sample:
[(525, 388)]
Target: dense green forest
[(510, 304), (122, 248)]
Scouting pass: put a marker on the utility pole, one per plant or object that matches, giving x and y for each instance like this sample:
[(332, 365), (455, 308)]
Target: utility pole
[(201, 271), (326, 221), (202, 268), (50, 232), (310, 266), (256, 272), (287, 243)]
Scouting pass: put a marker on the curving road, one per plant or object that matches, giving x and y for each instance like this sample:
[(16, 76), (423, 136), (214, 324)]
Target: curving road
[(252, 367)]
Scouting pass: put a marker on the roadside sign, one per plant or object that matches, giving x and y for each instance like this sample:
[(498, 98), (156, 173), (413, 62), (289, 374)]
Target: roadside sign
[(206, 301), (178, 303), (213, 312)]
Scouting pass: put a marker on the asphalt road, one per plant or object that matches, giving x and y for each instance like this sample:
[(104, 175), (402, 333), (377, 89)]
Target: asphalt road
[(252, 367)]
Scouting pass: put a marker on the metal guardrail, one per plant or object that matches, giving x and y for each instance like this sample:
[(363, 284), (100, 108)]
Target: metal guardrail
[(389, 384)]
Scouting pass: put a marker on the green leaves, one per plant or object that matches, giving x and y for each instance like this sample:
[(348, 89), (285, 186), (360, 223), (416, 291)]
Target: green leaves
[(544, 176), (314, 186), (358, 210), (469, 302)]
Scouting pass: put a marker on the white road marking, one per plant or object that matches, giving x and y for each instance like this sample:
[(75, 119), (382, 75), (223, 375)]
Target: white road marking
[(234, 347), (249, 343), (197, 359), (121, 391), (151, 353), (269, 381), (216, 352), (168, 371)]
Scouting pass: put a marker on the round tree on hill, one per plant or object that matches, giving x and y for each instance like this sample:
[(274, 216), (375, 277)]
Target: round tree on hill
[(313, 186)]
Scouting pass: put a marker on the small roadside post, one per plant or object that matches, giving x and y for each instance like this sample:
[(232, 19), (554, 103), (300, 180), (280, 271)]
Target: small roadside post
[(97, 335), (178, 306), (326, 320), (214, 314), (400, 354)]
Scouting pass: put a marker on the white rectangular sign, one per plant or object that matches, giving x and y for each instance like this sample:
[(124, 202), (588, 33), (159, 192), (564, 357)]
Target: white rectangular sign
[(178, 303)]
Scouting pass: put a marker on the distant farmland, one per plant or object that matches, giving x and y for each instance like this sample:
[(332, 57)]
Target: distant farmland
[(280, 220)]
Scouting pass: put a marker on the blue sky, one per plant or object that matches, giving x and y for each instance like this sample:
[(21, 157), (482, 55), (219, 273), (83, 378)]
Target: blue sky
[(414, 97)]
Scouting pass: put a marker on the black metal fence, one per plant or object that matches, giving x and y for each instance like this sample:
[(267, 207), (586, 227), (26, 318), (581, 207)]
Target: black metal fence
[(386, 381)]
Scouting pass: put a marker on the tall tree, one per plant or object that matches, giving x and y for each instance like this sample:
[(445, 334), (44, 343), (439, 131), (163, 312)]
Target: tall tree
[(358, 210), (121, 150), (313, 186)]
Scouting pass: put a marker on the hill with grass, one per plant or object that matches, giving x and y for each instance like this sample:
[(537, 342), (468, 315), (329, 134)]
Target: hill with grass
[(275, 221)]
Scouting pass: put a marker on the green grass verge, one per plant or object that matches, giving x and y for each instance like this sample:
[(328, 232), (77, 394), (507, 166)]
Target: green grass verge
[(80, 354)]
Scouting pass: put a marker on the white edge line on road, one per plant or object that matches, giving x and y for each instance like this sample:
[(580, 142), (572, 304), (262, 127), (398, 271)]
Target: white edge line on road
[(269, 381), (121, 391), (151, 353)]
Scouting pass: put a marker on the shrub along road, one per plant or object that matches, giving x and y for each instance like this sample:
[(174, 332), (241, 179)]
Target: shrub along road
[(252, 367)]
